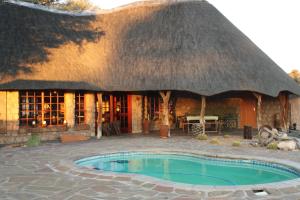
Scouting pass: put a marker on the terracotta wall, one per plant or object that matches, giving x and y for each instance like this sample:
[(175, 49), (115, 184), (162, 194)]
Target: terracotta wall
[(90, 109), (9, 121), (70, 108)]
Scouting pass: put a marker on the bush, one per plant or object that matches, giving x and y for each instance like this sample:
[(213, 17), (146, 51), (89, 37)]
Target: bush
[(236, 143), (202, 137), (215, 141), (33, 141), (226, 136), (272, 145)]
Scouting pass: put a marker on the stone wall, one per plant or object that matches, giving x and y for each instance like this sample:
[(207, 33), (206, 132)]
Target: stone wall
[(137, 114), (270, 108), (295, 111)]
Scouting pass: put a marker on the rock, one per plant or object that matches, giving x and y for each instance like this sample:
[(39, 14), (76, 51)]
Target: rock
[(287, 145)]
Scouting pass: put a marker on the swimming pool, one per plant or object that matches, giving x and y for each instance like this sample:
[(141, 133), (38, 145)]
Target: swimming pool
[(191, 169)]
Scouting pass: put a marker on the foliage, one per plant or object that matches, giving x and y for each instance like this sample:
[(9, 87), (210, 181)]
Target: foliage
[(202, 137), (76, 5), (34, 141), (43, 2), (215, 141), (295, 74), (236, 143), (272, 145), (226, 136)]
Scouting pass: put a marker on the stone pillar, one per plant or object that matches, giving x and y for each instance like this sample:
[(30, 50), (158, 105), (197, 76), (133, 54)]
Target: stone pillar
[(137, 113), (90, 109), (70, 109)]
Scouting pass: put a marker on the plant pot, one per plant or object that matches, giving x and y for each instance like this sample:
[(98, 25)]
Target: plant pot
[(164, 131), (146, 126)]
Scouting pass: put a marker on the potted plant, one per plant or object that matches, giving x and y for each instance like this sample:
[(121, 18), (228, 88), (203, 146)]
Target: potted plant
[(164, 131), (146, 125)]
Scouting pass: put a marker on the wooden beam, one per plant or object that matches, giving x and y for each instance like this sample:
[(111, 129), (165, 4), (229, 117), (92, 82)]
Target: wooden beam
[(202, 113), (259, 112), (99, 119), (165, 109)]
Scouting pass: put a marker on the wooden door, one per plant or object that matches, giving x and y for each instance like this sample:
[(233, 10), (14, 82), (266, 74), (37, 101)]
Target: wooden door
[(122, 112), (248, 113)]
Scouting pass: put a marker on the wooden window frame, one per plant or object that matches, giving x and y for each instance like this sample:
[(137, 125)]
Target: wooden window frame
[(79, 108), (154, 107), (50, 111)]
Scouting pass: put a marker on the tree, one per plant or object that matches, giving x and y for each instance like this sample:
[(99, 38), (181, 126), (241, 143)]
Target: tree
[(43, 2), (295, 74), (76, 5)]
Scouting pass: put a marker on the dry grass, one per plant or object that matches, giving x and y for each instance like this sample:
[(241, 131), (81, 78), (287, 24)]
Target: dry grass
[(186, 46)]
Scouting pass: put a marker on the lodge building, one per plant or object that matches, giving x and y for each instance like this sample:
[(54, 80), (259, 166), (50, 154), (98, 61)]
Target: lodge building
[(63, 72)]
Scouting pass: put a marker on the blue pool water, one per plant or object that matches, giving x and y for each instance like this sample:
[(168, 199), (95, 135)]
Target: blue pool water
[(192, 169)]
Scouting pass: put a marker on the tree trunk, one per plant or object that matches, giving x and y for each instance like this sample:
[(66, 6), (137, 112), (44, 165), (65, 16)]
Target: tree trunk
[(202, 113), (99, 119), (165, 109), (258, 114), (284, 104)]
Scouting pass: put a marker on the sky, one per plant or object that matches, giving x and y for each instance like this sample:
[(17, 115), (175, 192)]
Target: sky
[(273, 25)]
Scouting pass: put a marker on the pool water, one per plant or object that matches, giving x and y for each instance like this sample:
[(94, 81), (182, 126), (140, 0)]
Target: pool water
[(192, 169)]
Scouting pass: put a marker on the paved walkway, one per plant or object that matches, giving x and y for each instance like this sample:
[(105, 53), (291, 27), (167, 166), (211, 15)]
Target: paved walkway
[(36, 173)]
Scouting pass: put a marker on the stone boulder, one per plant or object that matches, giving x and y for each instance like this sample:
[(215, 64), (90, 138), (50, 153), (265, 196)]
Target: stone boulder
[(289, 145)]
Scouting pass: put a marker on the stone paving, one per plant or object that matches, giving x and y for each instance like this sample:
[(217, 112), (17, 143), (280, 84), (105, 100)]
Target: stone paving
[(37, 173)]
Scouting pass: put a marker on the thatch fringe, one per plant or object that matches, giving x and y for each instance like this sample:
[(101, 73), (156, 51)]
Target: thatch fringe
[(186, 46)]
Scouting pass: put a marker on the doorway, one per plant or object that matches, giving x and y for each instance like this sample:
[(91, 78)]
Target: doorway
[(116, 108)]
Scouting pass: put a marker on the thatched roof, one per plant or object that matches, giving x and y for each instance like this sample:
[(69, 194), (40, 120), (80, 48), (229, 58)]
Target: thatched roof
[(186, 46)]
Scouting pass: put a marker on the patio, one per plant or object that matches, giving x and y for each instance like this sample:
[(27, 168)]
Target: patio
[(36, 173)]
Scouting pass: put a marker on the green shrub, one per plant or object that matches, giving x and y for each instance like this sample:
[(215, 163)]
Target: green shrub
[(236, 143), (33, 141), (202, 137), (272, 145), (215, 141), (226, 136)]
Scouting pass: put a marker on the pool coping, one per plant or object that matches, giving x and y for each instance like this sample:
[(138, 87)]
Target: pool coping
[(68, 166)]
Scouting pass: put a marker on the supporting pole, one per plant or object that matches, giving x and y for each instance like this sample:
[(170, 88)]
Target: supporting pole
[(202, 113), (99, 119), (165, 118), (111, 108), (258, 114), (283, 100), (145, 108)]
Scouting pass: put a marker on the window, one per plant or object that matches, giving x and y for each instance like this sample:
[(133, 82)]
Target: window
[(153, 107), (41, 108), (79, 108)]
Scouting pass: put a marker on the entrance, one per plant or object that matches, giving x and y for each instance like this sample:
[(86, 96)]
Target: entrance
[(116, 108), (248, 113)]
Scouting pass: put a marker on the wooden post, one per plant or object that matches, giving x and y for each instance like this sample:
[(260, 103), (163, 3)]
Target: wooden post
[(258, 113), (111, 108), (284, 104), (99, 119), (165, 115), (145, 115), (202, 113)]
